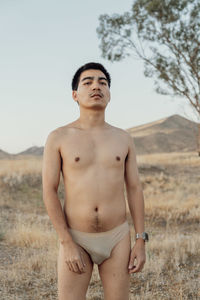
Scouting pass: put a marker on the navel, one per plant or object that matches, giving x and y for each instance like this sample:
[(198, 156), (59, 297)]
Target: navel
[(77, 158), (118, 158), (96, 209)]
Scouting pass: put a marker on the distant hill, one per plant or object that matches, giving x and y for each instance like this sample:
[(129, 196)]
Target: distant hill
[(37, 151), (32, 151), (4, 154), (174, 133)]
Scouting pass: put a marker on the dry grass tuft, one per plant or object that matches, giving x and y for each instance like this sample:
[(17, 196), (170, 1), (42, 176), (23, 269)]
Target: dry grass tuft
[(175, 158), (23, 166), (29, 234)]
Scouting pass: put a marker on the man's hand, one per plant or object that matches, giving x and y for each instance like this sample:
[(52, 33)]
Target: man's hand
[(138, 253), (74, 257)]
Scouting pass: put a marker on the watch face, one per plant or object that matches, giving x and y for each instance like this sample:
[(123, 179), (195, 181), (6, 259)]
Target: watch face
[(145, 236)]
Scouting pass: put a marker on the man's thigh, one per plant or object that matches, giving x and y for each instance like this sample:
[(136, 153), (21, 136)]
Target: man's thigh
[(114, 271), (73, 286)]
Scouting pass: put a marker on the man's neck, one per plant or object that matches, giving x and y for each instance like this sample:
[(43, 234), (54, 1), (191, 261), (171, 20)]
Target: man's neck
[(92, 119)]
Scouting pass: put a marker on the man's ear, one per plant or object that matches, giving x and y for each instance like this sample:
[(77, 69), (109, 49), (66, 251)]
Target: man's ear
[(74, 95)]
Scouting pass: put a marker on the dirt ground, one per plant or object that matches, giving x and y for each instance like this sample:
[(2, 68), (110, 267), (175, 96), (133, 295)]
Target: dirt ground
[(29, 244)]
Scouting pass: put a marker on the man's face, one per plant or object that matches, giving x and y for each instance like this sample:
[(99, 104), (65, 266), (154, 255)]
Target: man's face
[(93, 90)]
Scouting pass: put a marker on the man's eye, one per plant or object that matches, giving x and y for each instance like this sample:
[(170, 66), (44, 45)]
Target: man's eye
[(88, 82), (103, 83)]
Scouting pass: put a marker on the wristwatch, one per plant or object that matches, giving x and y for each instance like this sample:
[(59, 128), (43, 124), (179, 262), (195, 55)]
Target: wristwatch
[(143, 235)]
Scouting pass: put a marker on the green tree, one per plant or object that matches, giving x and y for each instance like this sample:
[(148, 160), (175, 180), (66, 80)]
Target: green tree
[(165, 34)]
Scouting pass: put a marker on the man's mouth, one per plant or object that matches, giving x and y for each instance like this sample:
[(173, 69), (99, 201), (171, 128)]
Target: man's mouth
[(97, 94)]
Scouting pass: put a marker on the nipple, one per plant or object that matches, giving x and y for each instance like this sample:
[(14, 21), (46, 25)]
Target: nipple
[(117, 158), (77, 158)]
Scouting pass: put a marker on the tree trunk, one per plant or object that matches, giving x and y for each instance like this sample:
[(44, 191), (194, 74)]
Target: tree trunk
[(198, 140)]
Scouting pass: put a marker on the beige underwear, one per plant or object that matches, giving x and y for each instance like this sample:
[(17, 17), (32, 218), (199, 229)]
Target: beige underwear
[(99, 245)]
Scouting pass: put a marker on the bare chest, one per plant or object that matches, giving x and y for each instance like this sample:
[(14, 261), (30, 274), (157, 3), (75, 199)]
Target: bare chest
[(80, 150)]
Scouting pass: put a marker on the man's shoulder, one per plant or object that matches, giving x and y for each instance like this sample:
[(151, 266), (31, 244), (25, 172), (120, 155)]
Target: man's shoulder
[(121, 131), (62, 130), (56, 137)]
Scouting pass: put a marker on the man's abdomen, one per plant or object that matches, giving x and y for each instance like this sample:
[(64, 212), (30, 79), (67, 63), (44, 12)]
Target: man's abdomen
[(95, 216), (95, 199)]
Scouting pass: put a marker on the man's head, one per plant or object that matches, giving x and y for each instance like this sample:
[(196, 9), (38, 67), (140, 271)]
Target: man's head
[(91, 86), (89, 66)]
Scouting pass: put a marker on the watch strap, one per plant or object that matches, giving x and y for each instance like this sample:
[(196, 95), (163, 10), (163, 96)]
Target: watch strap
[(143, 235)]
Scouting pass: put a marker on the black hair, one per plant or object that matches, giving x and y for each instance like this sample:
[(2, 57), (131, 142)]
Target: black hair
[(89, 66)]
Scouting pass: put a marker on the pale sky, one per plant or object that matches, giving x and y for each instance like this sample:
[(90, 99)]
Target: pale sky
[(42, 44)]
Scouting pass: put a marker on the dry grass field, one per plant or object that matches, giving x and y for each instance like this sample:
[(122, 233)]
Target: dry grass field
[(29, 244)]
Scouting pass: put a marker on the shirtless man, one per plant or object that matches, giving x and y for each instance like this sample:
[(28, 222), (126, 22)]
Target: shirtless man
[(95, 159)]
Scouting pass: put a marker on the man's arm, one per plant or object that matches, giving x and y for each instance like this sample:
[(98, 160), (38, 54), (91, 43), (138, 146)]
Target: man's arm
[(134, 189), (51, 177), (136, 205)]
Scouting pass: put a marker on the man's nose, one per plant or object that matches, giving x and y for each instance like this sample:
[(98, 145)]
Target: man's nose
[(96, 86)]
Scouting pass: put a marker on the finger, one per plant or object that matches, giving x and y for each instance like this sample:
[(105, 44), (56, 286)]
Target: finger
[(69, 266), (136, 268), (83, 260), (68, 263), (131, 262), (75, 267), (132, 269), (81, 266)]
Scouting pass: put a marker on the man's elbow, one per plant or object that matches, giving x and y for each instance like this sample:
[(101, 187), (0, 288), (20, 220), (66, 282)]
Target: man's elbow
[(134, 187), (49, 192)]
